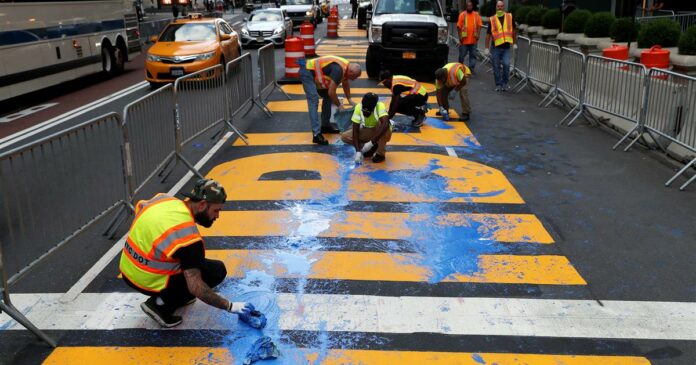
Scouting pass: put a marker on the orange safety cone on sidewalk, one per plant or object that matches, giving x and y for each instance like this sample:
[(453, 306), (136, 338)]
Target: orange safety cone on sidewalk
[(307, 35), (332, 27), (294, 50)]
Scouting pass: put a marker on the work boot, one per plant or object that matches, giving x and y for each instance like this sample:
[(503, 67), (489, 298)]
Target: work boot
[(418, 120), (320, 140), (159, 313), (371, 151), (378, 158), (464, 117), (330, 129)]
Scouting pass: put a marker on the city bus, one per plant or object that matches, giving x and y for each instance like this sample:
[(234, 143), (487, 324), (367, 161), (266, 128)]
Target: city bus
[(45, 43)]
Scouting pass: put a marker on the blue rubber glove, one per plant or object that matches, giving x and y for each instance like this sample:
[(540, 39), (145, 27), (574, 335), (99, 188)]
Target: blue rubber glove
[(262, 349)]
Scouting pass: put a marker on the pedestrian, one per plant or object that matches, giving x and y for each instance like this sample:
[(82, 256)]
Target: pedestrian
[(354, 5), (371, 129), (453, 76), (320, 77), (408, 96), (500, 39), (469, 25), (164, 254), (175, 11)]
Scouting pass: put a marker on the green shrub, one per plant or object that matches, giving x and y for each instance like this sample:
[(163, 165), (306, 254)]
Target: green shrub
[(552, 19), (624, 30), (513, 8), (663, 32), (599, 24), (575, 22), (520, 15), (687, 42), (534, 16)]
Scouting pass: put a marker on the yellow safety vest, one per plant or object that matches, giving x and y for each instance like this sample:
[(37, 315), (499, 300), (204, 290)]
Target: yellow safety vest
[(415, 86), (464, 32), (452, 69), (161, 226), (318, 64), (501, 33)]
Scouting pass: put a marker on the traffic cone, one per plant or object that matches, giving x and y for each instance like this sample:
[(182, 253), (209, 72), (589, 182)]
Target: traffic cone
[(332, 27), (307, 35), (294, 50)]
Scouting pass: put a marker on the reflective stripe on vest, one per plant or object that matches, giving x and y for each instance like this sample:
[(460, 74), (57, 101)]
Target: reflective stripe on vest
[(452, 69), (406, 81), (161, 226), (317, 65), (464, 32), (501, 33)]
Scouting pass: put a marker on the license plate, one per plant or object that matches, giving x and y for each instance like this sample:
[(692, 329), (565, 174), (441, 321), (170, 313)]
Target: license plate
[(177, 71), (410, 55), (259, 39)]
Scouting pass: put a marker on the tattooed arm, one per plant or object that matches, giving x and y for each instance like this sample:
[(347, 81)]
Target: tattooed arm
[(202, 291)]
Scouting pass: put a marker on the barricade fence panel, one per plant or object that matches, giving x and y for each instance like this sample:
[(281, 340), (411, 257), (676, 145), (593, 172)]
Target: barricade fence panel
[(240, 83), (267, 63), (521, 56), (150, 136), (615, 87), (200, 102), (570, 74), (543, 62), (481, 43), (671, 107), (55, 188)]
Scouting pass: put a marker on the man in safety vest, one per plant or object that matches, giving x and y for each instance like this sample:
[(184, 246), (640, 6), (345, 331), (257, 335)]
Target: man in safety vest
[(501, 38), (409, 97), (320, 77), (164, 255), (469, 25), (453, 76), (371, 129)]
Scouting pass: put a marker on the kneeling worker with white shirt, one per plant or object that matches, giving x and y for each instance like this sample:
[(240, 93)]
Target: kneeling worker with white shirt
[(371, 126)]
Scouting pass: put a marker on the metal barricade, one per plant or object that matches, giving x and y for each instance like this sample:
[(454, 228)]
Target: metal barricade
[(670, 114), (267, 77), (150, 137), (543, 67), (520, 65), (240, 78), (200, 104), (84, 168), (615, 87), (481, 45), (570, 82)]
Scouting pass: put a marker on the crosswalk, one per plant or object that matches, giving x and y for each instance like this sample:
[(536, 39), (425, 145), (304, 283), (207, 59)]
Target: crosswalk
[(366, 264)]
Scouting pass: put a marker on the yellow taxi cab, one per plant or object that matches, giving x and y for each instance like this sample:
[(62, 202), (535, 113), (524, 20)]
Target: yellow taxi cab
[(189, 45)]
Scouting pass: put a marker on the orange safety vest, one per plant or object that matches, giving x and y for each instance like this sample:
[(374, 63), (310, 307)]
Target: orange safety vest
[(452, 69), (162, 225), (318, 64), (415, 86), (477, 25), (501, 33)]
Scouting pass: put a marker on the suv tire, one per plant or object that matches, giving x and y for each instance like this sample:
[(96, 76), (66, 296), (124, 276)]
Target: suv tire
[(372, 64)]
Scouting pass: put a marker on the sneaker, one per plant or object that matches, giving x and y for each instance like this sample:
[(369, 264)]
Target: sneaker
[(320, 140), (158, 313), (506, 87), (371, 151), (498, 88), (463, 117), (418, 120), (330, 130), (378, 158)]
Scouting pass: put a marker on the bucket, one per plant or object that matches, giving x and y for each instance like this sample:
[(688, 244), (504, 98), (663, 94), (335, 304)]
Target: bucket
[(656, 57), (617, 52), (342, 119)]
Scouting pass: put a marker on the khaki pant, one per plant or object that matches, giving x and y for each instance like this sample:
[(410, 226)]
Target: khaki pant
[(368, 134), (463, 98)]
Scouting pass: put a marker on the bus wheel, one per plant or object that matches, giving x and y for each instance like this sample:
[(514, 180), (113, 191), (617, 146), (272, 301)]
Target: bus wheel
[(118, 60), (107, 64)]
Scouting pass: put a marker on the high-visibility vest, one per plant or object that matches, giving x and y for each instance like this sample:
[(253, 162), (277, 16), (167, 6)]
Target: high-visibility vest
[(501, 33), (318, 64), (452, 70), (415, 86), (161, 226), (464, 33)]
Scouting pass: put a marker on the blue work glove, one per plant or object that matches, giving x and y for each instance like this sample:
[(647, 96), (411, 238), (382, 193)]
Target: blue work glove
[(240, 308), (262, 349)]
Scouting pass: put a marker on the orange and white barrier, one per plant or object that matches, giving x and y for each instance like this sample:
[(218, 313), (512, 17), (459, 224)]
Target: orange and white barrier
[(332, 27), (294, 50), (307, 35)]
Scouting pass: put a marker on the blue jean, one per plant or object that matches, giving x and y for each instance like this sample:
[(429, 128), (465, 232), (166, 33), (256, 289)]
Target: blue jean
[(469, 49), (500, 57), (310, 89)]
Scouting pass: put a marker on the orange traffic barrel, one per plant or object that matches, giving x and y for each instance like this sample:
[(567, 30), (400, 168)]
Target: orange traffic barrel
[(294, 50), (656, 57), (332, 27), (616, 52), (307, 35), (334, 10)]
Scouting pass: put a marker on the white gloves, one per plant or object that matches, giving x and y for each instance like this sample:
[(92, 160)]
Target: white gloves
[(514, 46), (358, 157), (367, 146), (487, 51), (445, 114), (240, 307)]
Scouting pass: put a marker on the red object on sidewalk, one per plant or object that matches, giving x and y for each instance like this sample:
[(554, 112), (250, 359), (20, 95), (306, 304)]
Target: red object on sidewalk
[(656, 57), (307, 35), (332, 27), (616, 52), (294, 50)]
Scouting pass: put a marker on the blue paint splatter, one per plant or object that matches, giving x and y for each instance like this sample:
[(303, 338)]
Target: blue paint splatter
[(437, 123), (478, 358)]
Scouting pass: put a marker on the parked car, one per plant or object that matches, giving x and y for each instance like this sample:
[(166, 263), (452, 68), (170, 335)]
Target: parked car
[(266, 26), (363, 8), (252, 5), (299, 10), (189, 45)]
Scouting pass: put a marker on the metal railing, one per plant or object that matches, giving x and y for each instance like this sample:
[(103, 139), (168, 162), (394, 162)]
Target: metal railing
[(54, 189), (520, 64), (685, 20), (570, 81), (481, 45), (240, 94), (267, 77), (543, 66)]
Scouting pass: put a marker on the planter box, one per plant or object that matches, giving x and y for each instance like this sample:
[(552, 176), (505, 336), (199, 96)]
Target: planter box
[(522, 27), (683, 63), (548, 35), (588, 45), (568, 39)]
